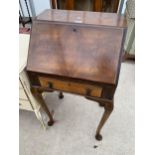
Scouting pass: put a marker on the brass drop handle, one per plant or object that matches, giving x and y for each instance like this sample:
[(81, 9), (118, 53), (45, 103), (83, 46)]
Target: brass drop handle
[(74, 30), (50, 85), (88, 92)]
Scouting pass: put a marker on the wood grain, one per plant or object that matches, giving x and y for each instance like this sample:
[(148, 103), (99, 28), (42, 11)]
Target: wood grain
[(83, 17), (69, 4), (97, 5), (72, 87), (82, 52), (77, 52)]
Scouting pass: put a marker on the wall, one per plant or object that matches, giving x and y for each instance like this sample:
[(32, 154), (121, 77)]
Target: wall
[(38, 5), (41, 5)]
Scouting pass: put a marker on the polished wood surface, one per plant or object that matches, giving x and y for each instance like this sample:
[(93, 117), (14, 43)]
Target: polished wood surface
[(72, 87), (83, 17), (115, 5), (70, 4), (76, 51), (53, 4), (97, 5), (77, 55)]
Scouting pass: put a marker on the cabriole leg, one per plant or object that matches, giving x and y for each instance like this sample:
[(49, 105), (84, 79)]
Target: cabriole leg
[(61, 96), (108, 109)]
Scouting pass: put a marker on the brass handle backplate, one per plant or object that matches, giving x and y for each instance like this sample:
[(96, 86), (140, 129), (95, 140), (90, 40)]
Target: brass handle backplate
[(50, 85), (88, 92)]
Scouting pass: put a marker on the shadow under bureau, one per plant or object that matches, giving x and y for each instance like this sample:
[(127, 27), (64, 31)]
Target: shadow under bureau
[(78, 52)]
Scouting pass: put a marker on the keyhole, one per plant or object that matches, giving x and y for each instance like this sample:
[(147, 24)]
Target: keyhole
[(74, 29)]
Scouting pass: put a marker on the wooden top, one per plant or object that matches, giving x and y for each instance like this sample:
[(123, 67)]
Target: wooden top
[(23, 50), (78, 51), (85, 17)]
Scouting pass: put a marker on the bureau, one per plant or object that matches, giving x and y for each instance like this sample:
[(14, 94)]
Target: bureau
[(77, 52)]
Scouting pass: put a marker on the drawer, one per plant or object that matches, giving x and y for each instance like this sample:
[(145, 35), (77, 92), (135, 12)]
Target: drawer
[(25, 105), (72, 87), (22, 94)]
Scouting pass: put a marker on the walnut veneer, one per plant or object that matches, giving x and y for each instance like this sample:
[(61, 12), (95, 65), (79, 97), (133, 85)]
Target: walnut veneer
[(77, 52)]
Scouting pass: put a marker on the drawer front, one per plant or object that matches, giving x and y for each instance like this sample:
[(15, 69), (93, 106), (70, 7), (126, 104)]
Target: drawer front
[(22, 94), (72, 87), (25, 105)]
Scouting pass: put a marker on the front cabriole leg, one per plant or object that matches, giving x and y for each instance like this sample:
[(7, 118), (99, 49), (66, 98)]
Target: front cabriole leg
[(108, 106), (108, 109)]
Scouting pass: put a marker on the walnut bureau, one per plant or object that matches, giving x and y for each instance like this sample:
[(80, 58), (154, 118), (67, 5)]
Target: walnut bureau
[(77, 52)]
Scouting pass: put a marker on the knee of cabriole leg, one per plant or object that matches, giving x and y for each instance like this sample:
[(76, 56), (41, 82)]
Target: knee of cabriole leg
[(109, 106)]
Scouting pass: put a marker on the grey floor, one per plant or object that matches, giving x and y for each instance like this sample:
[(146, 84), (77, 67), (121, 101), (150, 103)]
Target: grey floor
[(76, 122)]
